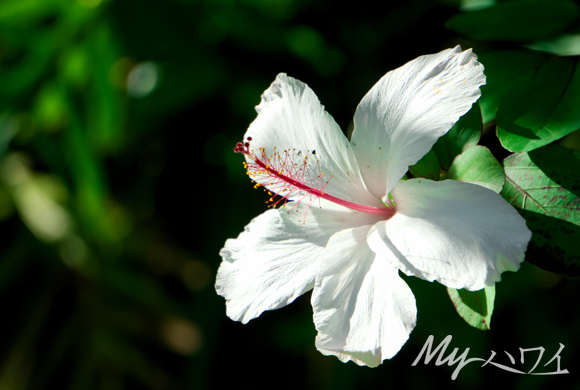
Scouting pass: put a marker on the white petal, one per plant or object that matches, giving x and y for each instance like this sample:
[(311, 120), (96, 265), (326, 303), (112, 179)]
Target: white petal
[(275, 259), (290, 118), (363, 310), (402, 116), (460, 234)]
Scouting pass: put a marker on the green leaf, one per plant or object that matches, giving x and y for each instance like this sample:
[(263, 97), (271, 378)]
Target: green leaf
[(305, 42), (427, 167), (309, 44), (503, 68), (17, 80), (544, 186), (478, 166), (22, 11), (542, 107), (90, 187), (8, 129), (472, 5), (571, 141), (76, 67), (562, 45), (464, 135), (51, 110), (516, 21), (475, 307), (104, 115)]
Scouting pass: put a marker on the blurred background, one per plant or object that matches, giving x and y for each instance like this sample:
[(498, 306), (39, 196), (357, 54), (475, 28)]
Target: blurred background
[(119, 186)]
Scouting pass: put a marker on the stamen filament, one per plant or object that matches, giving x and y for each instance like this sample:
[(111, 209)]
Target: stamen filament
[(269, 169)]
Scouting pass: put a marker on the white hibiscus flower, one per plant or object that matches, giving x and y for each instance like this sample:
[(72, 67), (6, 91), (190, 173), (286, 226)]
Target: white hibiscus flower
[(351, 224)]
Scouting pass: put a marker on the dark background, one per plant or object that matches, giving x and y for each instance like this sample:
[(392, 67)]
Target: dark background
[(120, 116)]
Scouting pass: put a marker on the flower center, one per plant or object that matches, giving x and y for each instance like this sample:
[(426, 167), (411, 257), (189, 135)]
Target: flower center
[(286, 174)]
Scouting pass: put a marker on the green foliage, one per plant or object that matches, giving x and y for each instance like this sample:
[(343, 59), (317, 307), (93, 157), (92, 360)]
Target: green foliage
[(427, 167), (544, 185), (462, 136), (516, 21), (541, 107), (475, 307), (562, 45), (478, 166), (118, 186), (531, 98), (309, 44), (503, 68)]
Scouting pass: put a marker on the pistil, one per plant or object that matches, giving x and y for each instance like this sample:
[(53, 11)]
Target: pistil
[(286, 178)]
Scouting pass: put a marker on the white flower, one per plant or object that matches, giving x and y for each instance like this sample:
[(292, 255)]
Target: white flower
[(341, 234)]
